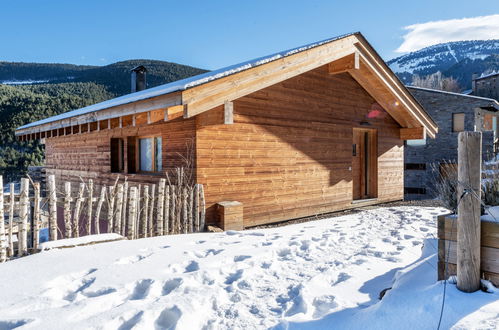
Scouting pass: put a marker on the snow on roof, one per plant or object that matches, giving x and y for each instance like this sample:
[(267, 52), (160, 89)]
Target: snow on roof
[(493, 73), (182, 84), (452, 93)]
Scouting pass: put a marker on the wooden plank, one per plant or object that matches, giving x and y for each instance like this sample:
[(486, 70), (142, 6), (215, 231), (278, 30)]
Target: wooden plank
[(489, 231), (228, 112), (414, 133), (344, 64)]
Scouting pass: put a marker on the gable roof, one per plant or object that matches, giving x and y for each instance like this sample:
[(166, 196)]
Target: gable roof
[(347, 53)]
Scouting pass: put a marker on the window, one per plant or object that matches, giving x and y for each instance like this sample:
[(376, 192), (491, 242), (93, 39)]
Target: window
[(416, 143), (117, 153), (415, 166), (415, 191), (149, 155), (458, 122)]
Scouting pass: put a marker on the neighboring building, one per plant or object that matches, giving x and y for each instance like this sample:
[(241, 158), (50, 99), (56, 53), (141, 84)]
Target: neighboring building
[(453, 113), (311, 130), (486, 85)]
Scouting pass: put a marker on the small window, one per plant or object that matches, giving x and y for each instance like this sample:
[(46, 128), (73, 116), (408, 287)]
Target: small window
[(149, 154), (117, 153), (458, 122), (415, 166), (415, 191), (416, 143)]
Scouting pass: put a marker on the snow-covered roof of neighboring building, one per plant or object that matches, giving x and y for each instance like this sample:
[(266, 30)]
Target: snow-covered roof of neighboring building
[(452, 93), (182, 84), (493, 73)]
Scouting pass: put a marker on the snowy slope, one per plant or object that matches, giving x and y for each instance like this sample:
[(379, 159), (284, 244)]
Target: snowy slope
[(305, 275), (442, 56)]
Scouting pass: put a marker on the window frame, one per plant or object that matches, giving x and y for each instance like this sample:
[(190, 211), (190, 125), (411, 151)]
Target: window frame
[(464, 121), (153, 156), (120, 165)]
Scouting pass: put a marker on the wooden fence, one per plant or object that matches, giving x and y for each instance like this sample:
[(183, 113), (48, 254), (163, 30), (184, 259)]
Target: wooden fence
[(131, 210), (447, 247)]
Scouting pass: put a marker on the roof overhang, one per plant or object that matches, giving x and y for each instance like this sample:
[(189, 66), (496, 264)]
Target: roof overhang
[(351, 53)]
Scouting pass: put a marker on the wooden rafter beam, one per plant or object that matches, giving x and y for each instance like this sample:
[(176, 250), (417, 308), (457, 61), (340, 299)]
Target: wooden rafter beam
[(228, 112), (345, 64), (415, 133)]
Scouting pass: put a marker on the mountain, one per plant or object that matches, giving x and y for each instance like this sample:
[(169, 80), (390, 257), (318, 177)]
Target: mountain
[(115, 77), (33, 91), (457, 59)]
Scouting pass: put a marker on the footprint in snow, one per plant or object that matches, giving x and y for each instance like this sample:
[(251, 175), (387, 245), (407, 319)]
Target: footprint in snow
[(168, 318), (141, 289), (212, 252), (241, 258), (131, 322), (424, 229), (132, 259), (408, 236), (171, 285), (192, 267), (82, 285), (266, 265), (98, 293), (12, 324), (234, 277)]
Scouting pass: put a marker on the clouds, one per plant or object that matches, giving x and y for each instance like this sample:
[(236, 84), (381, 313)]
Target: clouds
[(426, 34)]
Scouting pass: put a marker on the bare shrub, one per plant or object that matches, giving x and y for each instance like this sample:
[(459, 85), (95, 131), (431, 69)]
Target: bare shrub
[(445, 183)]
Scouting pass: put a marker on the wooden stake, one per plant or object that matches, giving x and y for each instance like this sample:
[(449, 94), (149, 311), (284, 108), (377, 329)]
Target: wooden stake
[(99, 207), (203, 208), (78, 207), (190, 208), (67, 210), (90, 188), (36, 216), (175, 224), (110, 210), (145, 214), (159, 214), (132, 212), (52, 208), (3, 238), (185, 225), (119, 206), (138, 213), (195, 209), (23, 214), (123, 208), (11, 219), (151, 211), (468, 224), (167, 210)]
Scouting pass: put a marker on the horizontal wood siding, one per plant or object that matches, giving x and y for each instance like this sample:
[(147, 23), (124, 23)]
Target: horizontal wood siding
[(88, 155), (289, 152)]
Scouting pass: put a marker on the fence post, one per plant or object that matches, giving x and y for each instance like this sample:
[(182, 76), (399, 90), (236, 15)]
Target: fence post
[(175, 229), (52, 208), (36, 216), (123, 207), (90, 188), (150, 221), (203, 208), (137, 212), (195, 209), (79, 202), (11, 219), (468, 224), (99, 207), (132, 209), (110, 209), (145, 214), (23, 214), (185, 225), (119, 207), (166, 219), (159, 213), (67, 210), (191, 209), (3, 242)]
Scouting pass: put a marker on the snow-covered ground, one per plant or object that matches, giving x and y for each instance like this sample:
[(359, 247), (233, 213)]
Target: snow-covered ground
[(320, 274)]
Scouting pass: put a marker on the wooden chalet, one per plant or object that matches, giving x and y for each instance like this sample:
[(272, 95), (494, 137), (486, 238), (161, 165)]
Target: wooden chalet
[(311, 130)]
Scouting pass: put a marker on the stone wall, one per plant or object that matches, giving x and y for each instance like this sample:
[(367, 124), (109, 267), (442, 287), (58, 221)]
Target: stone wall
[(440, 106)]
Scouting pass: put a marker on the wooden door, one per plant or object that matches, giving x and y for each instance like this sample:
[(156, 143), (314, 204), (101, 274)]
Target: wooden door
[(364, 160)]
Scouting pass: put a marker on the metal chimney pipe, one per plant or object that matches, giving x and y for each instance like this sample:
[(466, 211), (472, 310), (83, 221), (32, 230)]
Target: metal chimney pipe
[(138, 80)]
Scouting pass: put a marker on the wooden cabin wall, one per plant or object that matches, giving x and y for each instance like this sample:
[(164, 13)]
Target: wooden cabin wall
[(289, 152), (88, 155)]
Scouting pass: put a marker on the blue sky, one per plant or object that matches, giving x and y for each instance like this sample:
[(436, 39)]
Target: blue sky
[(213, 34)]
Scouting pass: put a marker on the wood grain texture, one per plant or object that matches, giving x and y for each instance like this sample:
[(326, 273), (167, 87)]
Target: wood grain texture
[(289, 151)]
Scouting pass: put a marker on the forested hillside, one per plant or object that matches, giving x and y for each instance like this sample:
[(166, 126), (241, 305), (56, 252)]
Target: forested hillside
[(24, 103)]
